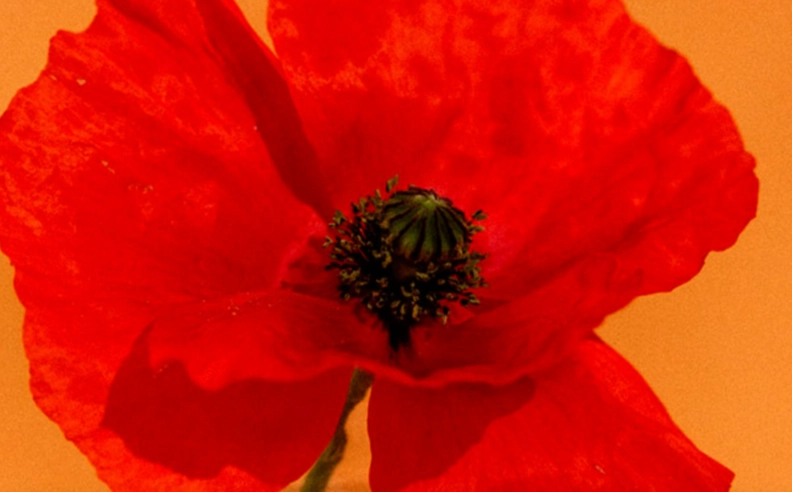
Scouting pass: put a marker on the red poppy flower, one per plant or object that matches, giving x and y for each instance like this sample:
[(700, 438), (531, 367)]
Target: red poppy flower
[(166, 188)]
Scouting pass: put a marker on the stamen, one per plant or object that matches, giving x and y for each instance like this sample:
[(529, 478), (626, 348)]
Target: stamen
[(406, 257)]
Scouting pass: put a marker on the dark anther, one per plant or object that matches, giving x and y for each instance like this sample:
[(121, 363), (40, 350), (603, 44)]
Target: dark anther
[(405, 257)]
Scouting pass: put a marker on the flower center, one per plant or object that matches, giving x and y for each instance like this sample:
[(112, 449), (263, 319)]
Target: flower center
[(406, 257)]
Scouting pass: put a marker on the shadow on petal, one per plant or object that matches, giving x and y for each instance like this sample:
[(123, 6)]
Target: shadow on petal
[(590, 423), (397, 430), (252, 67), (273, 431)]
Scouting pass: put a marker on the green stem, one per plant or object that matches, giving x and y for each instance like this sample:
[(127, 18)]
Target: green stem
[(319, 476)]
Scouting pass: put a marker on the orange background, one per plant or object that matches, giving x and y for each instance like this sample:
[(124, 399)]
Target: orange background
[(716, 350)]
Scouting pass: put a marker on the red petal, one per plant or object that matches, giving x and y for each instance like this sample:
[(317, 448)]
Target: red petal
[(134, 157), (168, 433), (590, 424), (376, 97), (271, 431), (250, 63), (606, 169), (275, 336), (134, 180)]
